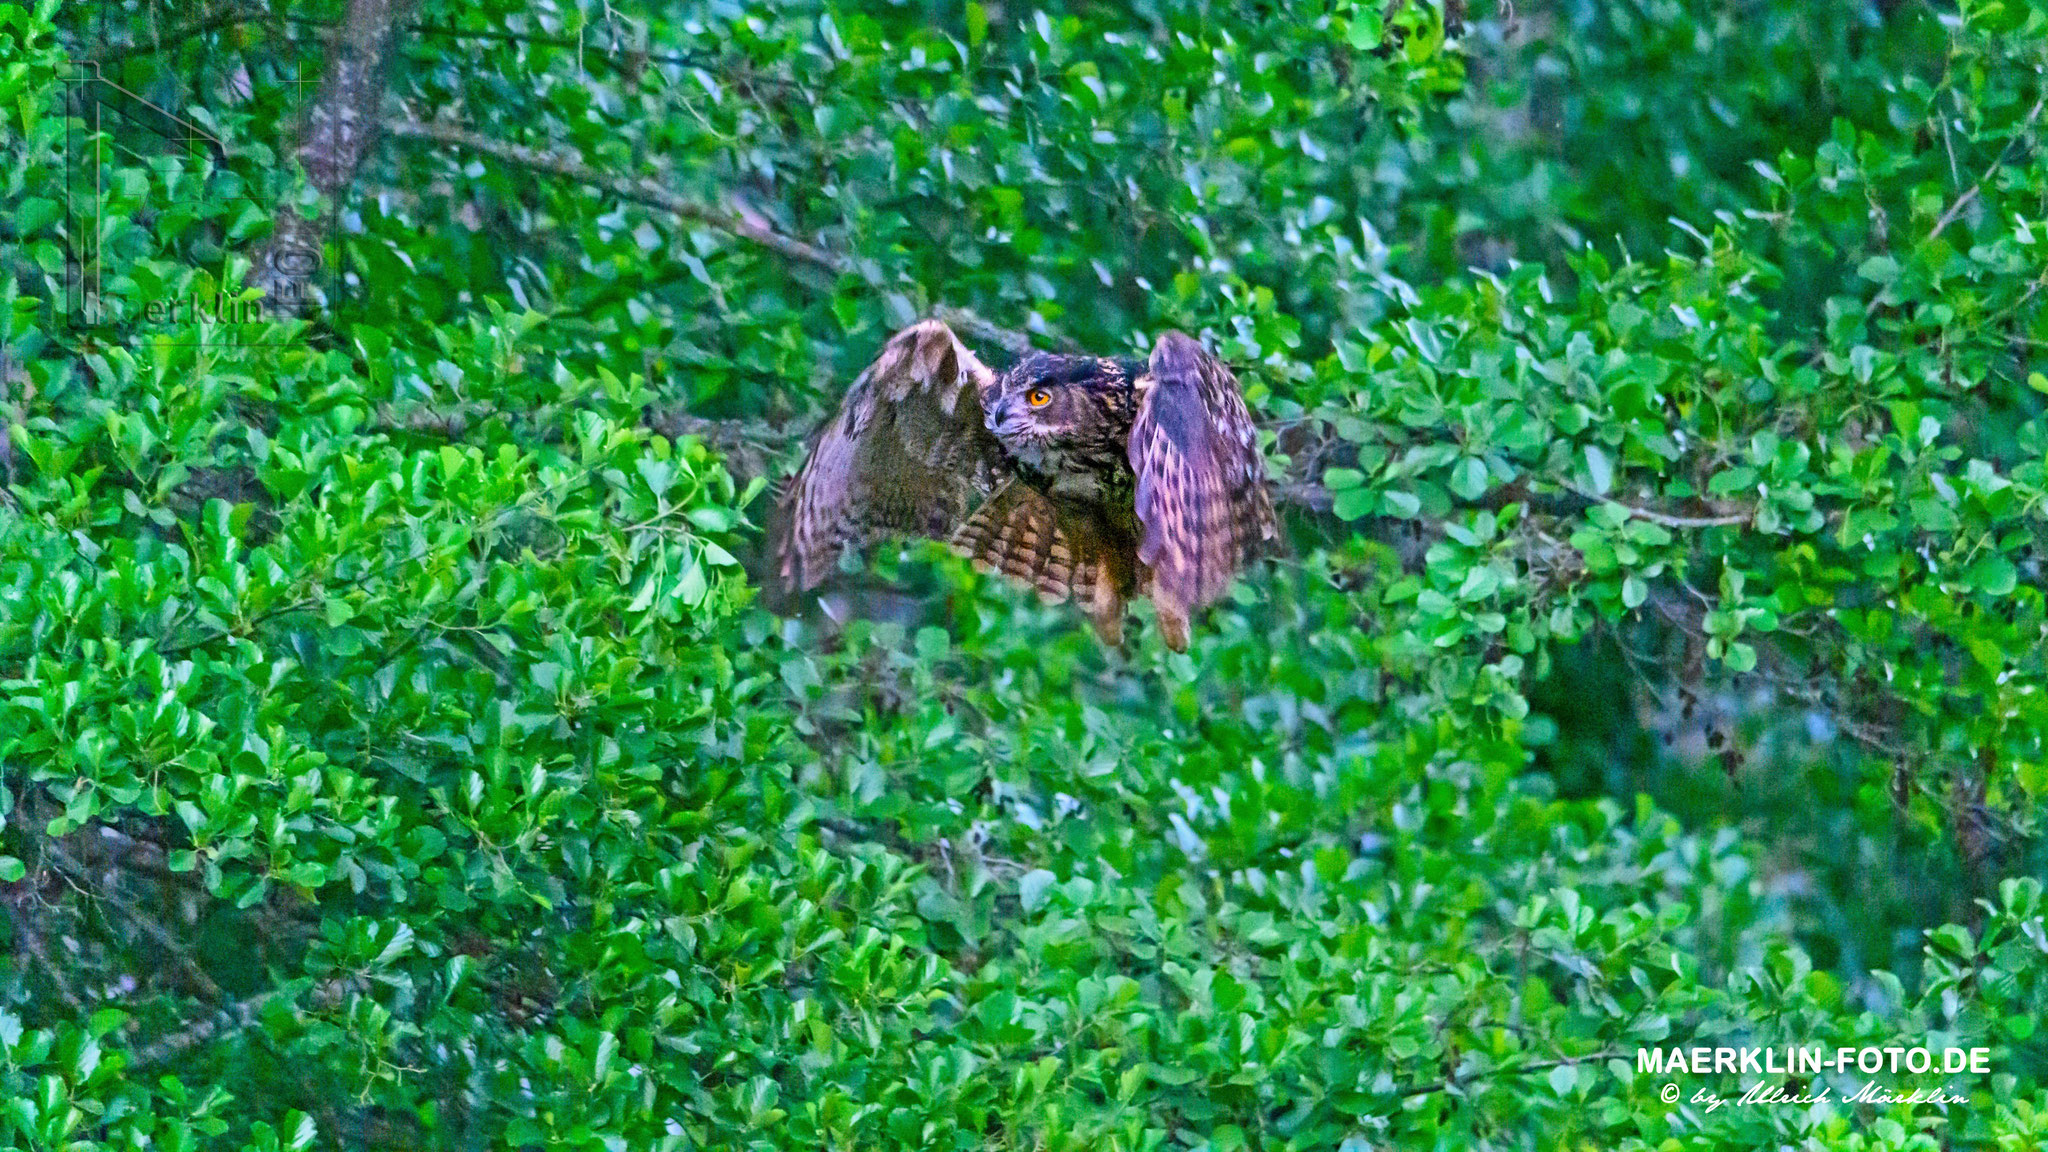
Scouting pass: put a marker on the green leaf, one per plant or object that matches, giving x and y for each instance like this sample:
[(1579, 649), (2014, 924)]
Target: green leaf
[(1366, 31), (1600, 469), (1634, 591), (659, 475), (302, 1130), (1993, 574), (693, 587), (1469, 478), (1354, 503), (1032, 887), (1881, 269)]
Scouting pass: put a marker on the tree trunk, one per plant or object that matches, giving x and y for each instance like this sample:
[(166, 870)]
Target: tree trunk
[(335, 136)]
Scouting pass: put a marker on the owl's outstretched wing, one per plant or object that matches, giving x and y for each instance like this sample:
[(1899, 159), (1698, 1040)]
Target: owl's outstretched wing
[(1201, 482), (906, 454)]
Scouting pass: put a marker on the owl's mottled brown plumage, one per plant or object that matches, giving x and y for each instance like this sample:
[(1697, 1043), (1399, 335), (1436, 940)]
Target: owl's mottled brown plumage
[(1098, 480)]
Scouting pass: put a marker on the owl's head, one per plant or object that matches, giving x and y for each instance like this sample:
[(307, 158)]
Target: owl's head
[(1049, 401)]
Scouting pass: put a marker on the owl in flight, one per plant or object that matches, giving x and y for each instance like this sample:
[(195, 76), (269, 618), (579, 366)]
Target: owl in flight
[(1086, 478)]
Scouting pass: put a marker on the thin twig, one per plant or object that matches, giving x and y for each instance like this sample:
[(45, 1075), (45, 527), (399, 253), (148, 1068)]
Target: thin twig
[(247, 627), (1517, 1070), (233, 15), (32, 943), (1664, 518), (1964, 200), (612, 52)]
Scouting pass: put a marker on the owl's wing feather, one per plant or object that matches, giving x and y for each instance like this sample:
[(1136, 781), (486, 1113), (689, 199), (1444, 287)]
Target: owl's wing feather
[(905, 455), (1063, 551), (1201, 482)]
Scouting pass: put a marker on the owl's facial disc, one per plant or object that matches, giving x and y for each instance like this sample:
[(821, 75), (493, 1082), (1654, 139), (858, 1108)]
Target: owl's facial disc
[(1028, 416), (1041, 400)]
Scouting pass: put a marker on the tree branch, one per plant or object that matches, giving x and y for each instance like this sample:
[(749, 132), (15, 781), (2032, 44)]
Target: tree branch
[(234, 1017), (168, 941), (228, 16), (746, 226), (739, 222), (339, 127), (32, 943)]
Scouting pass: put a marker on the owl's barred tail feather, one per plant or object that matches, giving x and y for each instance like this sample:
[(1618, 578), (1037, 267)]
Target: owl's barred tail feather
[(1021, 534), (1016, 533)]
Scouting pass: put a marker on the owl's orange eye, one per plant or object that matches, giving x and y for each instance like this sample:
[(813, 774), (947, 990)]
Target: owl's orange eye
[(1038, 397)]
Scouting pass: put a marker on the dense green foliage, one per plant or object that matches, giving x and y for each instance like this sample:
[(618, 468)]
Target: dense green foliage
[(393, 752)]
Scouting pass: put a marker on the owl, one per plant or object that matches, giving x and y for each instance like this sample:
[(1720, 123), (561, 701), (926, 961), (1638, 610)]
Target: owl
[(1086, 478)]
